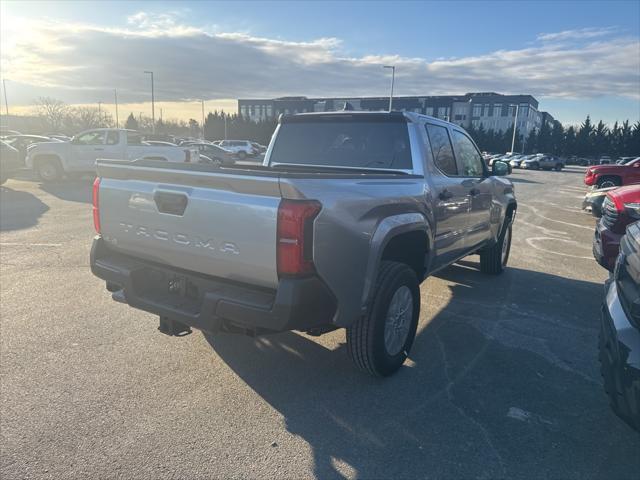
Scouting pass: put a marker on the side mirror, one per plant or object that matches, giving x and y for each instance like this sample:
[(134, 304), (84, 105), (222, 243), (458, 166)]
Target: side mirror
[(500, 168)]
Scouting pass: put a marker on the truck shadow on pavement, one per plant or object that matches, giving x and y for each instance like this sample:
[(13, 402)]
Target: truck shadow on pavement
[(70, 190), (503, 383), (520, 180), (19, 210)]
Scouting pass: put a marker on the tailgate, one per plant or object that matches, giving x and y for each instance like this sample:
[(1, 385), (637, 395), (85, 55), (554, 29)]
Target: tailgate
[(210, 222)]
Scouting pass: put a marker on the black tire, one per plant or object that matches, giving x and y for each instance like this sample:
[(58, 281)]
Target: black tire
[(558, 167), (605, 182), (492, 260), (49, 169), (366, 337), (619, 399), (242, 155)]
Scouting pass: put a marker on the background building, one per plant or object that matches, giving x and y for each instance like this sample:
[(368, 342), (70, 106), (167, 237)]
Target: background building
[(490, 110)]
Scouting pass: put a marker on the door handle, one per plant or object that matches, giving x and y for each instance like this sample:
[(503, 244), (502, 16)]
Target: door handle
[(473, 192), (445, 195), (170, 202)]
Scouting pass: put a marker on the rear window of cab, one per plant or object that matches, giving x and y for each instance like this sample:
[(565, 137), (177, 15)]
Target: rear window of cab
[(354, 143)]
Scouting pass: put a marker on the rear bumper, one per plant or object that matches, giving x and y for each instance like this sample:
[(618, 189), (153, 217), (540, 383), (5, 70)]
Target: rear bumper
[(210, 303), (606, 246)]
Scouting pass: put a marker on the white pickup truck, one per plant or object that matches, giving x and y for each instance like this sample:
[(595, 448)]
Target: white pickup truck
[(52, 160)]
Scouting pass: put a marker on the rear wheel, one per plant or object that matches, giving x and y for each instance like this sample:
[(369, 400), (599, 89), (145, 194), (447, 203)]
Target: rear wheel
[(49, 169), (379, 342), (242, 155), (493, 260), (558, 167)]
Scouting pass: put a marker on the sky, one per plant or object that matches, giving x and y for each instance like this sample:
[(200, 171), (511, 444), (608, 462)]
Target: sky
[(576, 58)]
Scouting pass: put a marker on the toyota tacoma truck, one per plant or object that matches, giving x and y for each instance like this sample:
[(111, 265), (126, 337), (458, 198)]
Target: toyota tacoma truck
[(337, 228), (603, 176), (52, 160)]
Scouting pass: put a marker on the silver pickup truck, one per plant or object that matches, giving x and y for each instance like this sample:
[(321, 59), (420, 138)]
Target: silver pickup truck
[(349, 212)]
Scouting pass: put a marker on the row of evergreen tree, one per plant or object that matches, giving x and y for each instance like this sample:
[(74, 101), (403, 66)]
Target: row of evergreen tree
[(587, 140), (217, 126)]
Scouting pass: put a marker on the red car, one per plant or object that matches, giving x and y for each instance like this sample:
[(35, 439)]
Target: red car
[(613, 175), (620, 208)]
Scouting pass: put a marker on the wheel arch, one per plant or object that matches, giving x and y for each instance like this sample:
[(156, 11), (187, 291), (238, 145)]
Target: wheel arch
[(40, 157), (406, 238), (611, 176)]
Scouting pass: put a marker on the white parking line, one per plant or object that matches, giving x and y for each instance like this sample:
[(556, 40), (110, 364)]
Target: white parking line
[(15, 244), (531, 242), (535, 210)]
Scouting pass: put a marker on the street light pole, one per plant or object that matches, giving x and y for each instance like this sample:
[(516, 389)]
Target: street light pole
[(115, 95), (515, 123), (6, 104), (393, 77), (153, 105), (202, 103)]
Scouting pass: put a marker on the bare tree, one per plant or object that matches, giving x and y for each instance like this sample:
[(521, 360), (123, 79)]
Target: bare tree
[(84, 118), (52, 112)]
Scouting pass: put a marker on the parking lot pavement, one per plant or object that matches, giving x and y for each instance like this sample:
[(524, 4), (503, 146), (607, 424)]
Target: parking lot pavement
[(503, 380)]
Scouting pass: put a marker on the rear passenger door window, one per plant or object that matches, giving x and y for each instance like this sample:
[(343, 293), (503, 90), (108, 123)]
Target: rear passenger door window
[(441, 149), (471, 163)]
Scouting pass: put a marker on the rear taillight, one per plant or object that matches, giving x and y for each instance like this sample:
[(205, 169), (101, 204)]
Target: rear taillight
[(295, 236), (617, 201), (96, 204)]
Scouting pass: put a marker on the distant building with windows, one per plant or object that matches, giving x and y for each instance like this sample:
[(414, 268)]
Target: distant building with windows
[(492, 111)]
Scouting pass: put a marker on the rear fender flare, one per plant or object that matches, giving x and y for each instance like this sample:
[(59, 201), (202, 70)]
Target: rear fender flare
[(386, 230)]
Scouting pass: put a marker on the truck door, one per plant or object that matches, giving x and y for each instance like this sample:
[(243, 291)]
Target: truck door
[(86, 148), (114, 146), (451, 196), (478, 185)]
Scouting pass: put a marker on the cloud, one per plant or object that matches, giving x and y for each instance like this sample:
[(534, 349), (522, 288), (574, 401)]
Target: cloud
[(84, 63), (579, 34)]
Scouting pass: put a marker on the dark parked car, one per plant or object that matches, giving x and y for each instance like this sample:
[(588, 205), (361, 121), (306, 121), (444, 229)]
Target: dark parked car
[(531, 162), (549, 162), (9, 161), (258, 147), (619, 343), (620, 208), (23, 142), (215, 153)]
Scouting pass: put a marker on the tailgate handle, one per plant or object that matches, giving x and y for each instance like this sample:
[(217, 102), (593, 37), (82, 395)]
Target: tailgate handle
[(171, 203)]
